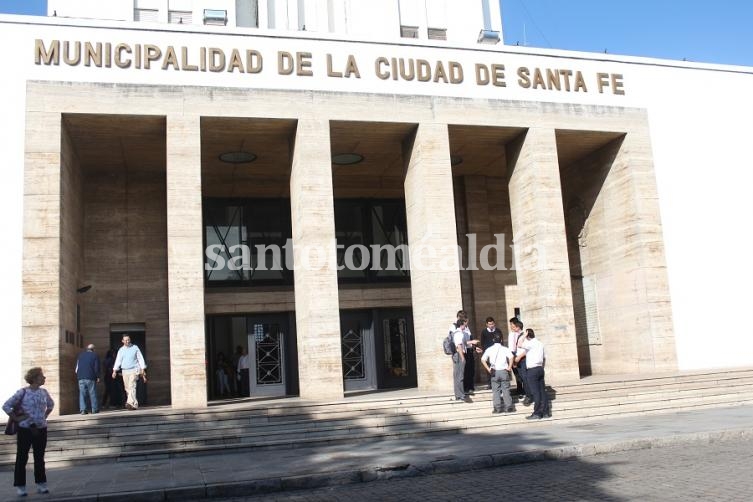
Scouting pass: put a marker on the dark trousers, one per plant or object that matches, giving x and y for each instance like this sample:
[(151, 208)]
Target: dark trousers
[(469, 373), (523, 374), (537, 387), (245, 383), (26, 439)]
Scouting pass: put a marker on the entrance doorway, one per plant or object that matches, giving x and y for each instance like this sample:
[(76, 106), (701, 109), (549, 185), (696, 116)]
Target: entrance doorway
[(269, 341), (378, 349), (137, 332)]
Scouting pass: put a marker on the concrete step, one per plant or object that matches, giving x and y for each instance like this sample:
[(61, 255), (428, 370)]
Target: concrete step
[(156, 434)]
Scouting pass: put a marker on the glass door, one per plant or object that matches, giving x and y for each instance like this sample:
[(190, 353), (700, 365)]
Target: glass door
[(357, 343), (396, 344), (266, 346)]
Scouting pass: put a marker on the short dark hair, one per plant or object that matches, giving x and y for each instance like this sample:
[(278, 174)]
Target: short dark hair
[(516, 322), (496, 339), (461, 314), (462, 321), (32, 374), (489, 319), (530, 333)]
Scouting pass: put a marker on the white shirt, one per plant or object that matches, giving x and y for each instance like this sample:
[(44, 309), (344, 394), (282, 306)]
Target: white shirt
[(534, 350), (243, 362), (458, 338), (466, 335), (512, 340), (497, 356)]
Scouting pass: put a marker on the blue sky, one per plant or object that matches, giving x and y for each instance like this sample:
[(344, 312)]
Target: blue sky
[(697, 30), (706, 31)]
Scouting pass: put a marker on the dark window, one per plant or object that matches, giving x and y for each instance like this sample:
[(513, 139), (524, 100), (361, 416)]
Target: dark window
[(372, 240), (244, 242), (248, 242)]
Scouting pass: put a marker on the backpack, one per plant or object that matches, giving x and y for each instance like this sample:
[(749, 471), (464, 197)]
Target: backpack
[(449, 345)]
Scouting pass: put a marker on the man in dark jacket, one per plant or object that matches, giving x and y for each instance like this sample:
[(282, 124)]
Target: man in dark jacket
[(87, 372), (490, 332)]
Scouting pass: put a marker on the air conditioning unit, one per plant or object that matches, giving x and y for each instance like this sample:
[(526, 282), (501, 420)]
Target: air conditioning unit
[(215, 17), (488, 37)]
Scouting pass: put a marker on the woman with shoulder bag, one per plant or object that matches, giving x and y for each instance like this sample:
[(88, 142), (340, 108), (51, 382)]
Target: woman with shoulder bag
[(30, 407)]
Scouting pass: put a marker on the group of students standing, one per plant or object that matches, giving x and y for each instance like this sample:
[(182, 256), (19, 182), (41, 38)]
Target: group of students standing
[(523, 356)]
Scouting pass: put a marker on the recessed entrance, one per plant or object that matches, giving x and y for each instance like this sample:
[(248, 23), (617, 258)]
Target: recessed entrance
[(265, 341), (378, 349)]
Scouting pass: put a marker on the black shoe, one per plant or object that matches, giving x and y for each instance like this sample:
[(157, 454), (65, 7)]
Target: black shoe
[(533, 416), (470, 392), (527, 402), (510, 410), (496, 412), (548, 414)]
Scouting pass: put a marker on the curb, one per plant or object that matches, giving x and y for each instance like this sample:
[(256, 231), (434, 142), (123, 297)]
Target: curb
[(368, 474)]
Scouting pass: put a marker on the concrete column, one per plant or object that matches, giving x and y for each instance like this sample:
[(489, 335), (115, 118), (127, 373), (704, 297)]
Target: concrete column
[(41, 318), (317, 310), (543, 270), (185, 279), (432, 237)]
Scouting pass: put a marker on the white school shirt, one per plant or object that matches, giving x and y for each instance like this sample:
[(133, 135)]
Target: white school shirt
[(534, 353), (497, 356)]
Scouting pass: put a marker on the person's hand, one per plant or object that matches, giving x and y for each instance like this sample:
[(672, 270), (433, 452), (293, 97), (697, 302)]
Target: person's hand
[(114, 374)]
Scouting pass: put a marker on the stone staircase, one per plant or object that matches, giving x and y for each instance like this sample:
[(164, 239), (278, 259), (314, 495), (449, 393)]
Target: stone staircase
[(155, 433)]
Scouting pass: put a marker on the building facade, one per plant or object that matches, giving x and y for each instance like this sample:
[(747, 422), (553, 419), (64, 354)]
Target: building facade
[(327, 200)]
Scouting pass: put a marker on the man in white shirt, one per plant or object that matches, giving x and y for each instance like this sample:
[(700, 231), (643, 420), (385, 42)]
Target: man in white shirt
[(497, 360), (458, 359), (242, 370), (533, 350), (514, 341)]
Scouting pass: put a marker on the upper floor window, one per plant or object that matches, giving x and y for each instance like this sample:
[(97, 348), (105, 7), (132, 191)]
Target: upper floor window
[(409, 31), (179, 17), (146, 15), (437, 33)]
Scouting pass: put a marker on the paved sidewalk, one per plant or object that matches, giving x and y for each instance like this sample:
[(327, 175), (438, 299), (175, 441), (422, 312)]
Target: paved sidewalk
[(262, 471)]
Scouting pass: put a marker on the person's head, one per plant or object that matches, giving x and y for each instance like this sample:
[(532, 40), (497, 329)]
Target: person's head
[(461, 322), (530, 333), (126, 340), (516, 325), (490, 323), (239, 350), (35, 376), (461, 314), (90, 347), (496, 339)]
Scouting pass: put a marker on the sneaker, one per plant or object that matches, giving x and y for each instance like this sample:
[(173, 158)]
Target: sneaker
[(42, 488), (129, 407), (83, 412), (21, 491)]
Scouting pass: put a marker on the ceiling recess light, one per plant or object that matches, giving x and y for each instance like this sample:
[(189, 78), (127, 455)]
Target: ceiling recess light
[(456, 160), (239, 157), (347, 159)]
